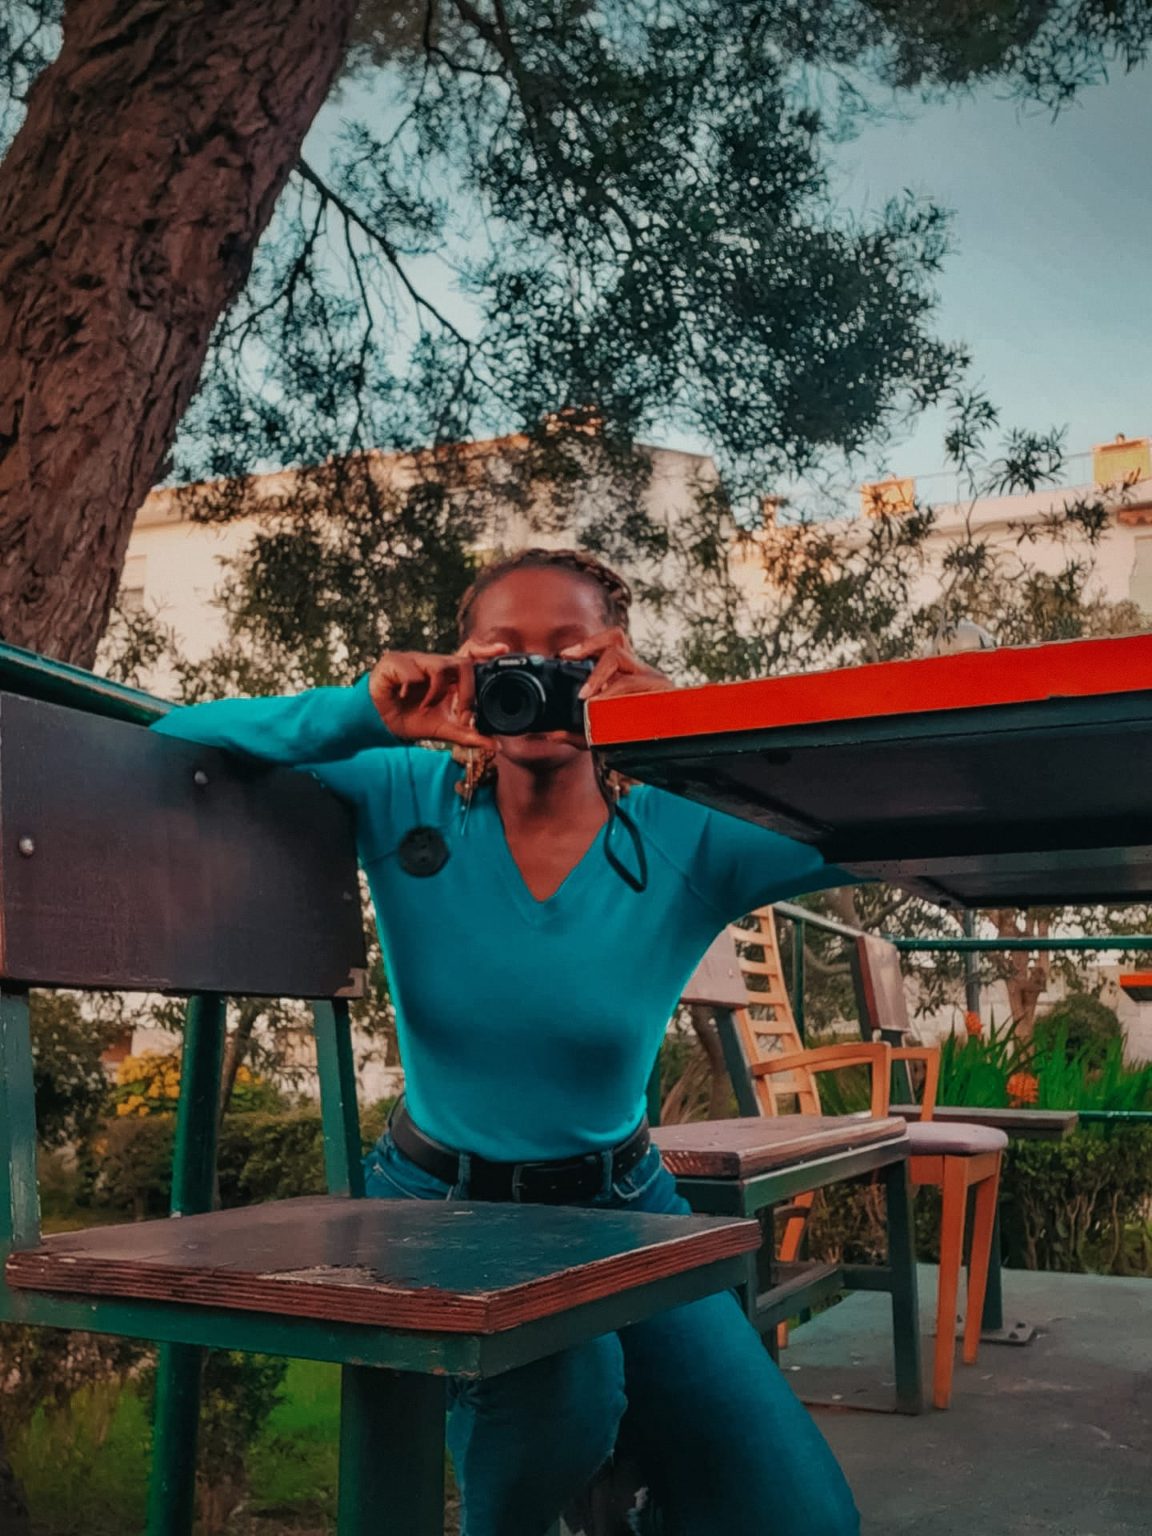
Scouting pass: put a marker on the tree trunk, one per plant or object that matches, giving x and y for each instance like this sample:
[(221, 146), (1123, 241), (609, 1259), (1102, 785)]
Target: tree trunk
[(1027, 976), (131, 201)]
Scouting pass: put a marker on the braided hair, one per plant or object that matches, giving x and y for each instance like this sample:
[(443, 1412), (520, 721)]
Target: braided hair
[(479, 766)]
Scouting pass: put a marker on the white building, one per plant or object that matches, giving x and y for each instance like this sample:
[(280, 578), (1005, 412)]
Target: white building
[(174, 569)]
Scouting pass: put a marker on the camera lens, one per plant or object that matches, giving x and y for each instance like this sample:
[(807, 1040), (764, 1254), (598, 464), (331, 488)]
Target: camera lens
[(513, 703)]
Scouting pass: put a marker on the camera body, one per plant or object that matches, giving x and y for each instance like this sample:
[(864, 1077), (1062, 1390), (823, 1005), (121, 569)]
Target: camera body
[(518, 694)]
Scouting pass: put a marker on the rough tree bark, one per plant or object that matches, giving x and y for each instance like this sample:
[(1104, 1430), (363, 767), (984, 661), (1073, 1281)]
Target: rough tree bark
[(131, 201), (1027, 975)]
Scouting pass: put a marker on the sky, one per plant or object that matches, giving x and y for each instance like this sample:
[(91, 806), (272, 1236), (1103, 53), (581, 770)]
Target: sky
[(1050, 282)]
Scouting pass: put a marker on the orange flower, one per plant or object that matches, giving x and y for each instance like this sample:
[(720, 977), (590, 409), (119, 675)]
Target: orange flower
[(973, 1025), (1022, 1089)]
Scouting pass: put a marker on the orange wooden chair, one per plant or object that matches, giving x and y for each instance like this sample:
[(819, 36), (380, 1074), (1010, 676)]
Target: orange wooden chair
[(773, 1074), (765, 1028)]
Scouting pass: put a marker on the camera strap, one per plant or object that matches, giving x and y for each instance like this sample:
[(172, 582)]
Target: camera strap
[(638, 882)]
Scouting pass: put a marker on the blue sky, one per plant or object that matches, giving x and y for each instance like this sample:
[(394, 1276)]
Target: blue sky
[(1050, 282)]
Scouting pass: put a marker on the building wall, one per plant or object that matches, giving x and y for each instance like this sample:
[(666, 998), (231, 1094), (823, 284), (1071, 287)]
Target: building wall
[(174, 568)]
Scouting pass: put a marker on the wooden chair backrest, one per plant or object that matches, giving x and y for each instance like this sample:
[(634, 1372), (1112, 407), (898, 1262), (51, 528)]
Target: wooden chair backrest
[(136, 862), (873, 1054), (879, 983), (742, 974)]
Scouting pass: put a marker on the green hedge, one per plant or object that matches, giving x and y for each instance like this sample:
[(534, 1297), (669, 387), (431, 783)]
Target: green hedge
[(1080, 1205), (261, 1157)]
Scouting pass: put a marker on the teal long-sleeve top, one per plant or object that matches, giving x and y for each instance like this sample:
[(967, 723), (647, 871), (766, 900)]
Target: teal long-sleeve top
[(527, 1029)]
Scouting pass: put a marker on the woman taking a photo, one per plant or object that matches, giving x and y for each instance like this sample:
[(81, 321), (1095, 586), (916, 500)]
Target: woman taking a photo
[(537, 935)]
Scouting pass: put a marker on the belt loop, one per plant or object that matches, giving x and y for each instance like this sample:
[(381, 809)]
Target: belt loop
[(607, 1162), (463, 1186)]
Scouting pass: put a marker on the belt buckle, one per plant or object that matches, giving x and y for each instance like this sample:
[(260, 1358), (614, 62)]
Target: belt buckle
[(525, 1175)]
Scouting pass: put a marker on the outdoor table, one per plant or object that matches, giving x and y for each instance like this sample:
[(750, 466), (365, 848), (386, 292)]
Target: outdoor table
[(402, 1293), (750, 1166), (1009, 777), (1012, 777)]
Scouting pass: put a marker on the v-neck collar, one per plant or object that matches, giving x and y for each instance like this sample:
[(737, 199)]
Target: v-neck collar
[(535, 910)]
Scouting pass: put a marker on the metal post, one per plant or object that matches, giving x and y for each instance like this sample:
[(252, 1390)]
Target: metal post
[(971, 967), (339, 1115), (19, 1196), (172, 1488), (799, 929), (905, 1294), (391, 1453)]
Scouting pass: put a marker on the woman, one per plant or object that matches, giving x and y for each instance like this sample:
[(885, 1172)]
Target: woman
[(537, 941)]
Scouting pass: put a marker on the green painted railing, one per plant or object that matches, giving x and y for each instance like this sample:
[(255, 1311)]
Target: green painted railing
[(55, 682)]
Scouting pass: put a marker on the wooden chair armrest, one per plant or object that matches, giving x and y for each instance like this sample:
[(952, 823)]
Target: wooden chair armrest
[(876, 1055), (930, 1056)]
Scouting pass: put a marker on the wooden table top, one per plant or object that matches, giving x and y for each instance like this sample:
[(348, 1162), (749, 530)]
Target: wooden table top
[(742, 1148), (1015, 776), (1027, 1124), (437, 1267)]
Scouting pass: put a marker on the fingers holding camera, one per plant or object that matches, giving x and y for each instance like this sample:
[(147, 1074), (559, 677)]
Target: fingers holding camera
[(618, 669), (425, 697)]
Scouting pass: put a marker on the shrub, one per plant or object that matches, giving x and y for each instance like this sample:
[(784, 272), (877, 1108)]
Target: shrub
[(67, 1072), (1077, 1206), (1080, 1204), (261, 1157), (1082, 1025)]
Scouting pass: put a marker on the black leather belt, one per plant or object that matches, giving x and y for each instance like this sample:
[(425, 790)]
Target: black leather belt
[(566, 1181)]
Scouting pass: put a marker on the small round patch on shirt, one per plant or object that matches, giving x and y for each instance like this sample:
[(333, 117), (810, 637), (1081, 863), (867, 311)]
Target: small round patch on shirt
[(423, 852)]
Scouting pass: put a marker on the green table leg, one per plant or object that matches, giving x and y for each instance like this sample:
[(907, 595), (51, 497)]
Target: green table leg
[(391, 1453), (905, 1299), (992, 1326), (175, 1430)]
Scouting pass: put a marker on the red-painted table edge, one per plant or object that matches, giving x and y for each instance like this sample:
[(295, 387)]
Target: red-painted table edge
[(1138, 985), (969, 680)]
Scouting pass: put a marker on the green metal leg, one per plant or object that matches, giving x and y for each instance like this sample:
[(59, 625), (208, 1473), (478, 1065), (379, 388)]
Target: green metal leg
[(19, 1197), (905, 1299), (172, 1488), (391, 1453), (338, 1112), (993, 1318), (175, 1429)]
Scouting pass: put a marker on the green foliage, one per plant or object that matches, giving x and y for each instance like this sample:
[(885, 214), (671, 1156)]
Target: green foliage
[(977, 1070), (1081, 1204), (262, 1157), (70, 1082), (1084, 1025), (239, 1394)]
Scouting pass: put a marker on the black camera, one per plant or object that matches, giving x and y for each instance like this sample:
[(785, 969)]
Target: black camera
[(518, 694)]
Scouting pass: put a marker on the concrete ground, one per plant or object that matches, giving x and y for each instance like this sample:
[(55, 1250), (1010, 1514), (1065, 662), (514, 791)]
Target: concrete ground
[(1052, 1437)]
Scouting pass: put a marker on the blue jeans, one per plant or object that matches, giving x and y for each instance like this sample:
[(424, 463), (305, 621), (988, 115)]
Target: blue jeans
[(725, 1446)]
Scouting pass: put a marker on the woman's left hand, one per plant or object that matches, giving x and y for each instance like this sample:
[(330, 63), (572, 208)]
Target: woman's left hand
[(618, 669)]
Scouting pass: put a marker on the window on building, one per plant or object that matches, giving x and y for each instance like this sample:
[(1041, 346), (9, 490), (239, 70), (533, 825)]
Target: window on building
[(131, 594)]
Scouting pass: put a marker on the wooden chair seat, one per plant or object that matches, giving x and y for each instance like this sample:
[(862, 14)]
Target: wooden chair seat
[(738, 1149), (449, 1268), (934, 1138)]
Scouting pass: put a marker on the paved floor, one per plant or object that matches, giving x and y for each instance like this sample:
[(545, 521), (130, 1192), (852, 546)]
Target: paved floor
[(1054, 1437)]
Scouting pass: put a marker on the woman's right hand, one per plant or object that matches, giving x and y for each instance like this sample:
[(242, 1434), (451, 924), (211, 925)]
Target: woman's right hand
[(424, 697)]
